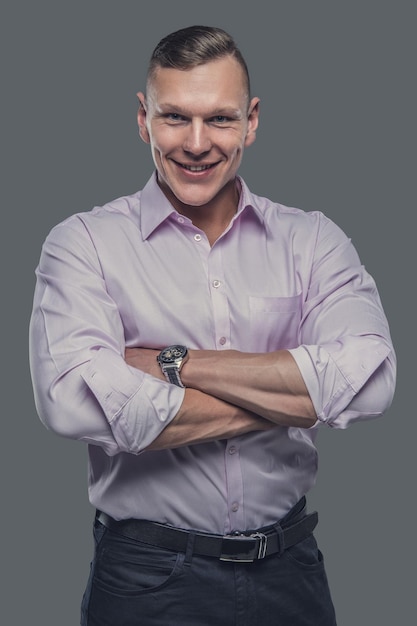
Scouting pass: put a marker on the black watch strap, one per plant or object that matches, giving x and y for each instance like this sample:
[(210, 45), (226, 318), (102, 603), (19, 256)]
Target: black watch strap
[(172, 375)]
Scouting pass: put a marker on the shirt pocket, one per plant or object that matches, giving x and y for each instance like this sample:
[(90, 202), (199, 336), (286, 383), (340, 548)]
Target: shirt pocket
[(274, 322)]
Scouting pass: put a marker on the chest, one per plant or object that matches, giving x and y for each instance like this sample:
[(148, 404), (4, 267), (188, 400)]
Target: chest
[(245, 292)]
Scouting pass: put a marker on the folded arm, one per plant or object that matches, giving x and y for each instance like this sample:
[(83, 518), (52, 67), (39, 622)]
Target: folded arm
[(341, 363), (203, 418), (83, 387), (340, 368), (269, 385)]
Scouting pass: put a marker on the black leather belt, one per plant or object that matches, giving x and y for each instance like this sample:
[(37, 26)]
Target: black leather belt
[(238, 547)]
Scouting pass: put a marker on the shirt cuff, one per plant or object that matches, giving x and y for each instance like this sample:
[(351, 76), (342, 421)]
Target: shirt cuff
[(137, 406), (334, 373)]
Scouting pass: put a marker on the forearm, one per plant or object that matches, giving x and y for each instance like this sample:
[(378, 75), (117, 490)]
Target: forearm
[(268, 384), (203, 418)]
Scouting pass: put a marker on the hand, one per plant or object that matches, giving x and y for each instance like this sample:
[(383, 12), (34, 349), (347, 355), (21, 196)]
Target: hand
[(144, 359)]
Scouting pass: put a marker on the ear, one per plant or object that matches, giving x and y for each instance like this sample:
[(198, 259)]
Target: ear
[(253, 121), (142, 112)]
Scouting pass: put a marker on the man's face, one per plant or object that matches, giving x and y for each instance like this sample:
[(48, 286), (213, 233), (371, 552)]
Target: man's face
[(198, 123)]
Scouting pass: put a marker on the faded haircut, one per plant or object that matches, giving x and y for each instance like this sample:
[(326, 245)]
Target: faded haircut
[(195, 45)]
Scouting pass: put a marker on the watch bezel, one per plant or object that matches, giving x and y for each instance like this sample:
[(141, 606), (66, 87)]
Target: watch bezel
[(178, 351)]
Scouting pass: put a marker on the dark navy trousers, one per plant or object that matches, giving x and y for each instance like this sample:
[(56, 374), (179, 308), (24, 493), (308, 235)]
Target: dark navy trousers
[(134, 584)]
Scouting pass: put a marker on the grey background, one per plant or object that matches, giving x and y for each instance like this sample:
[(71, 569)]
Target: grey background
[(337, 134)]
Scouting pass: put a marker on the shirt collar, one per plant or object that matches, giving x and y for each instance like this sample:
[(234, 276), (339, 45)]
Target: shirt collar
[(249, 202), (155, 207)]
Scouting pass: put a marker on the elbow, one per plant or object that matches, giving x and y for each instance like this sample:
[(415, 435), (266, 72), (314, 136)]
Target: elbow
[(56, 418), (376, 396), (66, 420), (372, 401), (385, 379), (62, 410)]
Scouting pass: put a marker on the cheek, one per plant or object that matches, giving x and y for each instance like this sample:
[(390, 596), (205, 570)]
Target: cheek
[(164, 140), (235, 152), (158, 152), (234, 145), (156, 144)]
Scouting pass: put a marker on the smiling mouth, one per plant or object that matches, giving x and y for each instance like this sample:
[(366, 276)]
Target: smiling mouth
[(196, 168)]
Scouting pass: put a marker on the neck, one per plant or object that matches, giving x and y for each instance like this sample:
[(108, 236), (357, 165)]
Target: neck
[(214, 217)]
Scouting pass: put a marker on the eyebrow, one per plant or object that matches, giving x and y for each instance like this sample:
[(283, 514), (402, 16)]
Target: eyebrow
[(166, 107)]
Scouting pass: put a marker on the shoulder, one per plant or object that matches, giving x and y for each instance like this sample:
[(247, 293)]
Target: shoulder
[(273, 212), (121, 211), (277, 215), (295, 225)]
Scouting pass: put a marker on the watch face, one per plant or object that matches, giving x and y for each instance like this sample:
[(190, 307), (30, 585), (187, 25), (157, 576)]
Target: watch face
[(172, 354)]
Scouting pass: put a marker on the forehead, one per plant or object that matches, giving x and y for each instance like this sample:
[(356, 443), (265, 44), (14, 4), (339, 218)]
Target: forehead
[(220, 82)]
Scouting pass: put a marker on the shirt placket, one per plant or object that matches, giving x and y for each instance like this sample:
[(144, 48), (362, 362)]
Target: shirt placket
[(222, 326), (234, 487), (219, 299)]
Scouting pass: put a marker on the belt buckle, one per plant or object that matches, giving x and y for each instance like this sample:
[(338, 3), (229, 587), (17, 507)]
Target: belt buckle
[(244, 548)]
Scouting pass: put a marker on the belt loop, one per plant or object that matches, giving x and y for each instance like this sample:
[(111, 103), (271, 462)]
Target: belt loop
[(189, 549), (280, 538)]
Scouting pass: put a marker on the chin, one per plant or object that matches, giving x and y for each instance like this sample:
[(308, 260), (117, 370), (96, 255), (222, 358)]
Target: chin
[(192, 198)]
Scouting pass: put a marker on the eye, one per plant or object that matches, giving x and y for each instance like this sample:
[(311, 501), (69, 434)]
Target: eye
[(174, 117), (220, 119)]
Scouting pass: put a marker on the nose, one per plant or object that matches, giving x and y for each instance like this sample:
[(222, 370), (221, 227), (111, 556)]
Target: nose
[(197, 139)]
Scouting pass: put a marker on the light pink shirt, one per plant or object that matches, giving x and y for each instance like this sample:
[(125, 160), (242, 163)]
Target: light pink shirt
[(137, 273)]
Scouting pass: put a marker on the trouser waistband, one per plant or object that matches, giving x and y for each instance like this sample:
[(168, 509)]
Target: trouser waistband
[(245, 546)]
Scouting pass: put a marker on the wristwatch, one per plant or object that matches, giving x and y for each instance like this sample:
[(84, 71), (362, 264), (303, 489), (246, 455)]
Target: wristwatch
[(171, 360)]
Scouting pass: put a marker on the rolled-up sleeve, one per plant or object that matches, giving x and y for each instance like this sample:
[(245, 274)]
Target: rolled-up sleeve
[(136, 406), (82, 385), (345, 356)]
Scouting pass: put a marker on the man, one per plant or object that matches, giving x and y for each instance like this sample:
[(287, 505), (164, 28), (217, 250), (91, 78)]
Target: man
[(196, 336)]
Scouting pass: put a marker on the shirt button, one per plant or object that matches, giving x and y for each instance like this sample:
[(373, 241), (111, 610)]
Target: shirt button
[(181, 220), (222, 341), (232, 449), (216, 284), (197, 237), (235, 507)]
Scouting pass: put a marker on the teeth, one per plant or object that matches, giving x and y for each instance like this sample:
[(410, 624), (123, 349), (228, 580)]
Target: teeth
[(196, 168)]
